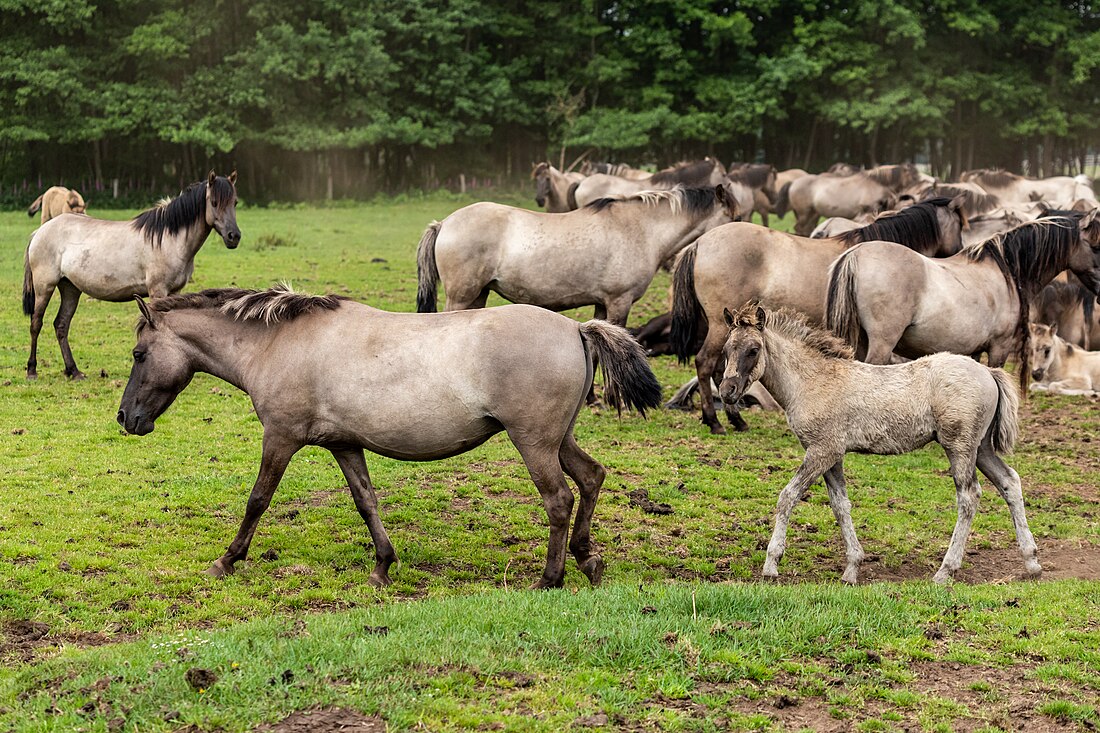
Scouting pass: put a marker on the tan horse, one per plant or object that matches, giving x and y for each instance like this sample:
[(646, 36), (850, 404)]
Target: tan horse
[(836, 406), (741, 262), (605, 254), (57, 200), (697, 174), (761, 178), (622, 170), (1009, 187), (1070, 308), (154, 255), (812, 197), (883, 299), (330, 372), (1060, 367), (553, 188)]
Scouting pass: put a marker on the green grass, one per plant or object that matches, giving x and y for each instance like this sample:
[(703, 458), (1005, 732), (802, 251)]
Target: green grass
[(104, 537)]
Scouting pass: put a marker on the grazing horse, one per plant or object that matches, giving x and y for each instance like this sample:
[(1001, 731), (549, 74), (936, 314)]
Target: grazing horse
[(741, 262), (882, 299), (836, 405), (553, 189), (812, 197), (604, 255), (1060, 367), (698, 174), (326, 371), (153, 254), (57, 200)]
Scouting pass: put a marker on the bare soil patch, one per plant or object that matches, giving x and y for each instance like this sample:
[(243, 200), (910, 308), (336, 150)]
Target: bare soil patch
[(1061, 560), (327, 720)]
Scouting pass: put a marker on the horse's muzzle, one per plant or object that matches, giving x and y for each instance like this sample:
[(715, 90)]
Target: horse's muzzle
[(134, 425), (232, 239), (1037, 374), (731, 389)]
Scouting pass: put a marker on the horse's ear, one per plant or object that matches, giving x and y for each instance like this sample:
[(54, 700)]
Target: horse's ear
[(761, 316), (1088, 219), (728, 316), (146, 312), (210, 178), (233, 178), (721, 194), (1054, 329), (957, 205)]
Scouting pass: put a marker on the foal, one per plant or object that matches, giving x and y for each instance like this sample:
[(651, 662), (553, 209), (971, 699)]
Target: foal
[(836, 405)]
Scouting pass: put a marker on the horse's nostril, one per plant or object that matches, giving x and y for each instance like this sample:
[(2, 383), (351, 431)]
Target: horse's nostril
[(121, 417)]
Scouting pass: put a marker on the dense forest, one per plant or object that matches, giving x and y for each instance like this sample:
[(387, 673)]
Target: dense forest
[(345, 99)]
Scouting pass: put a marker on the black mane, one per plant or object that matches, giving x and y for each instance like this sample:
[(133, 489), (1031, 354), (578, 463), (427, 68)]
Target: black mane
[(183, 211), (916, 226), (688, 174), (753, 175)]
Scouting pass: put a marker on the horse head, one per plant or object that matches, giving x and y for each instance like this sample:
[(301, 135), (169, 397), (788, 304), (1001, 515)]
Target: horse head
[(221, 207), (541, 174), (1042, 349), (1085, 260), (160, 372), (744, 351)]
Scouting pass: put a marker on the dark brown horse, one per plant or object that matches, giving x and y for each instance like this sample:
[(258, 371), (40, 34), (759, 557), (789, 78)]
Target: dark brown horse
[(334, 373)]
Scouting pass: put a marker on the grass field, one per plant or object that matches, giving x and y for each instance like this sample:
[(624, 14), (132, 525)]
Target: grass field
[(107, 621)]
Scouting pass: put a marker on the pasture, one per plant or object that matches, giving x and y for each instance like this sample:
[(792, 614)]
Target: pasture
[(107, 621)]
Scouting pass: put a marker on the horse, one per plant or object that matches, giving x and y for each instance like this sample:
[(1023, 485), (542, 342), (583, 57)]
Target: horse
[(57, 200), (553, 189), (604, 255), (761, 178), (697, 174), (812, 197), (1061, 190), (152, 255), (836, 225), (622, 170), (1060, 367), (1071, 308), (741, 262), (836, 405), (882, 299), (331, 372)]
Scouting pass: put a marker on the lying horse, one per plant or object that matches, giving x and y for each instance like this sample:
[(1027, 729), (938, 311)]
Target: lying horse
[(57, 200), (836, 405), (330, 372), (1060, 367), (154, 254)]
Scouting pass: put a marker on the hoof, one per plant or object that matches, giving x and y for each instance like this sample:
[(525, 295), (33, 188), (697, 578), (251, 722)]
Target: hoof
[(942, 577), (76, 376), (1033, 570), (544, 584), (593, 567), (769, 576), (220, 570), (717, 430), (379, 579), (31, 376), (851, 577)]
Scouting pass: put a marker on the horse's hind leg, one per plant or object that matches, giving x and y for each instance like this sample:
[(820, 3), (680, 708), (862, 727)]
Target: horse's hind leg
[(466, 299), (589, 475), (1008, 485), (706, 364), (276, 455), (70, 299), (41, 300), (543, 464), (354, 467), (967, 492), (842, 510)]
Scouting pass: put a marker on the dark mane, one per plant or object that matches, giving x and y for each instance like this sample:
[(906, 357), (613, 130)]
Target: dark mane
[(887, 175), (753, 175), (539, 168), (273, 305), (794, 325), (183, 211), (973, 203), (1024, 254), (1058, 297), (916, 226), (693, 173), (994, 177), (695, 201)]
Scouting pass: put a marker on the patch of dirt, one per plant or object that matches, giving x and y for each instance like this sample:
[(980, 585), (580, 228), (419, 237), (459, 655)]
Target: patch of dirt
[(327, 720), (1061, 560), (1051, 427), (21, 640)]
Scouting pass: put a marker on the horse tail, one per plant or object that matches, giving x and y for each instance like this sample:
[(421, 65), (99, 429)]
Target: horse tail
[(627, 378), (28, 283), (841, 313), (571, 196), (427, 274), (35, 206), (783, 200), (1004, 429), (687, 311)]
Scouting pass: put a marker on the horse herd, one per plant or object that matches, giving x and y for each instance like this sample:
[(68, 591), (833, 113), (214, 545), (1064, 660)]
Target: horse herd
[(756, 306)]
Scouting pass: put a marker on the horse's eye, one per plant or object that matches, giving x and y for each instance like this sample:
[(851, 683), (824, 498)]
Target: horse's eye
[(1046, 352), (139, 356), (753, 352)]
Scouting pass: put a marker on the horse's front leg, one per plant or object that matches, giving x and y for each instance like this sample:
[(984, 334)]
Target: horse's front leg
[(842, 510), (277, 452), (354, 466), (813, 465)]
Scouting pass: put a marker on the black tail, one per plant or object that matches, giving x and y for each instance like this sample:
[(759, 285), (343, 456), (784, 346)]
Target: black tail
[(427, 274), (571, 196), (627, 378), (28, 284), (783, 200), (35, 206), (687, 311)]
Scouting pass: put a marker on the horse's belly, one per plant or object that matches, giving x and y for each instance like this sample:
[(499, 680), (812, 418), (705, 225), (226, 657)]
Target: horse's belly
[(100, 279)]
